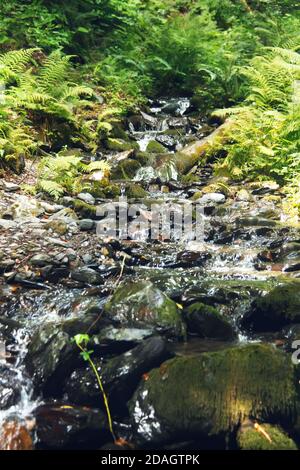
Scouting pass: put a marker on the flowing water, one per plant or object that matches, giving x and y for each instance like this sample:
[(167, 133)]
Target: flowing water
[(225, 263)]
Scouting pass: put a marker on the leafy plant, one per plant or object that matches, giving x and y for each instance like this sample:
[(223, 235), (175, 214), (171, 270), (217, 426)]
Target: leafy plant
[(81, 341), (62, 173)]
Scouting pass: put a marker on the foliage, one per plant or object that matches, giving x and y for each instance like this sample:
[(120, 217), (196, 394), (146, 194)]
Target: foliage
[(81, 341), (62, 173), (264, 137)]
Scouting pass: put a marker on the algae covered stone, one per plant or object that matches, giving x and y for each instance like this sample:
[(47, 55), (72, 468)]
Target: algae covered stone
[(141, 304), (210, 394), (207, 322), (279, 307), (264, 437)]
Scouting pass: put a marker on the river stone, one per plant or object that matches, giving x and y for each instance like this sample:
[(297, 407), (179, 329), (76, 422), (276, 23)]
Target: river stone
[(277, 308), (86, 224), (87, 276), (212, 198), (50, 357), (141, 305), (249, 438), (120, 375), (63, 425), (207, 322), (209, 394), (41, 260), (86, 197)]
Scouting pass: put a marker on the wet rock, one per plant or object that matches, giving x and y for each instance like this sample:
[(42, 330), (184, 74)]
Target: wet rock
[(86, 225), (292, 266), (41, 260), (211, 393), (212, 198), (50, 357), (9, 387), (255, 222), (277, 308), (167, 141), (87, 276), (120, 375), (118, 339), (14, 435), (177, 122), (86, 197), (191, 258), (207, 322), (64, 426), (264, 437), (142, 305)]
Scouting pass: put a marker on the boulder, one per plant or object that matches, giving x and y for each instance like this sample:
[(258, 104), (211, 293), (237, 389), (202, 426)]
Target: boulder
[(50, 357), (120, 375), (142, 305), (277, 308), (210, 394), (65, 426), (87, 276), (207, 322)]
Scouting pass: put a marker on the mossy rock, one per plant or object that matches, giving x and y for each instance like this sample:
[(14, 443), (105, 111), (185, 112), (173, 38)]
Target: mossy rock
[(135, 191), (119, 145), (190, 179), (210, 394), (84, 210), (155, 147), (118, 132), (126, 169), (250, 438), (142, 305), (144, 158), (279, 307), (103, 191), (207, 322)]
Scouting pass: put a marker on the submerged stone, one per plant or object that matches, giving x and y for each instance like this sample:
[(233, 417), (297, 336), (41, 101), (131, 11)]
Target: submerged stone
[(141, 304), (212, 393)]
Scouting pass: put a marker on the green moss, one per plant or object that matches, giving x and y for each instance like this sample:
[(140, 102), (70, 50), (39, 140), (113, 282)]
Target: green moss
[(118, 132), (135, 191), (155, 147), (126, 169), (216, 391), (207, 322), (118, 145), (140, 304), (251, 439), (144, 158), (279, 307), (189, 179), (84, 210)]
